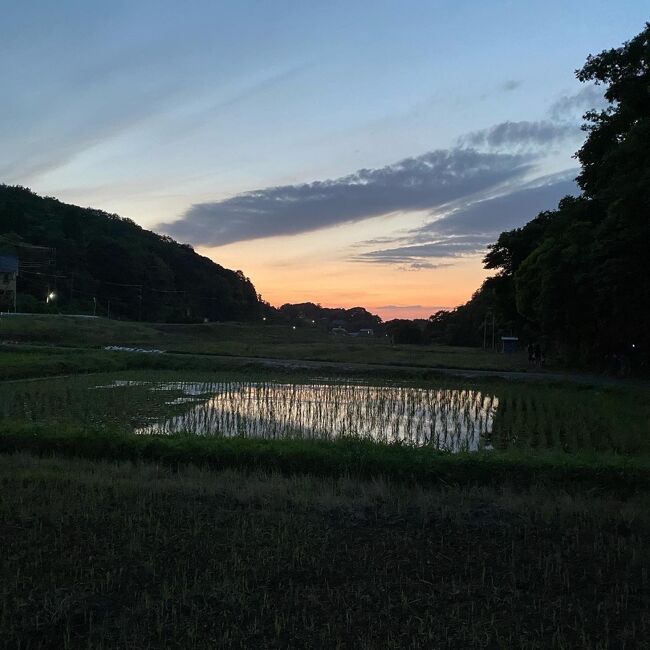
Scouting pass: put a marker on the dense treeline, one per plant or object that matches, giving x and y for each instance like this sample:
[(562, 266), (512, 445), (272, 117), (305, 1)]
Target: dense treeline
[(309, 313), (95, 262), (578, 277)]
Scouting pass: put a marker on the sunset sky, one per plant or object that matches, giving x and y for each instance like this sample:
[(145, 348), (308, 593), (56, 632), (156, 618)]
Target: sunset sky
[(347, 153)]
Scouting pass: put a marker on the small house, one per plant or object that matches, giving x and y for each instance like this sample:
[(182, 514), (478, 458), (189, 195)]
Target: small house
[(509, 344), (8, 275)]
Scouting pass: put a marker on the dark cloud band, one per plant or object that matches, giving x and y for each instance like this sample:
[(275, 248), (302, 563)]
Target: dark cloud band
[(468, 230), (454, 180), (427, 182), (509, 135)]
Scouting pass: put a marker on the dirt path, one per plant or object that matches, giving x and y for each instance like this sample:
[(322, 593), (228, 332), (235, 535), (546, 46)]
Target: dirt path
[(305, 364), (588, 379)]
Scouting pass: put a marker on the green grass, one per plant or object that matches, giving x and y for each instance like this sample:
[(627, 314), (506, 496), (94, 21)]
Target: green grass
[(35, 361), (562, 417), (115, 540), (138, 555), (246, 339), (70, 331), (346, 456)]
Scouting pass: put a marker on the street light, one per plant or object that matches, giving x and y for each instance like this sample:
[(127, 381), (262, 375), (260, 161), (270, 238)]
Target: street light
[(50, 297)]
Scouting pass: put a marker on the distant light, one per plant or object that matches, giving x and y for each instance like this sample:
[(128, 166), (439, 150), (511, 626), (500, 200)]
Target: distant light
[(264, 318), (633, 345), (313, 321), (293, 327), (51, 296)]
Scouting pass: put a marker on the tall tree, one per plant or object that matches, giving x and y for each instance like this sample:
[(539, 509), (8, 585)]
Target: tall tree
[(615, 161), (580, 274)]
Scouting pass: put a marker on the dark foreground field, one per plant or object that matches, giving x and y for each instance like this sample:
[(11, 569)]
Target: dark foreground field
[(111, 539), (116, 555)]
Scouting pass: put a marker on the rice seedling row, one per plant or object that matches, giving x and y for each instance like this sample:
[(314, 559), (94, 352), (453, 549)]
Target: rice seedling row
[(461, 418)]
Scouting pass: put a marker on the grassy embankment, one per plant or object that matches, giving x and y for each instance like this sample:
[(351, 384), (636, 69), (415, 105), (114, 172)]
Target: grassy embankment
[(360, 459)]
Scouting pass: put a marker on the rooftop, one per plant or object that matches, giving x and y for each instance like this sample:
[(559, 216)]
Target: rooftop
[(8, 264)]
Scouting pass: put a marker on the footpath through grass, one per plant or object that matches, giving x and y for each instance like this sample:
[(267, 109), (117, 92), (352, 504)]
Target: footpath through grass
[(129, 556)]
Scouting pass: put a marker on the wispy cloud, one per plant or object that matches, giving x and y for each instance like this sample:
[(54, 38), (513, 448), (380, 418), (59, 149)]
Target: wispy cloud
[(419, 265), (482, 186), (571, 106), (492, 216), (443, 247), (426, 182), (130, 90), (517, 135), (468, 230), (510, 85), (55, 147), (561, 125), (470, 225)]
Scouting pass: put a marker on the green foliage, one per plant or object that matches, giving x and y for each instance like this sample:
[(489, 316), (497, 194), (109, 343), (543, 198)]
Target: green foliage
[(471, 324), (579, 276), (342, 457), (406, 332), (84, 254), (437, 413)]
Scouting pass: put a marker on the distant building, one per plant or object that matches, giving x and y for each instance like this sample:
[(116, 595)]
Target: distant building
[(8, 275), (338, 331), (509, 344), (366, 331)]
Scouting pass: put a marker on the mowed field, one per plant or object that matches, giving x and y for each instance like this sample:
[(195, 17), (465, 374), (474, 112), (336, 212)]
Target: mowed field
[(203, 500)]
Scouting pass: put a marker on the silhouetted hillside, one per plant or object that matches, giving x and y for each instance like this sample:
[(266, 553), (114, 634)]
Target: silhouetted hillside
[(87, 257), (352, 319)]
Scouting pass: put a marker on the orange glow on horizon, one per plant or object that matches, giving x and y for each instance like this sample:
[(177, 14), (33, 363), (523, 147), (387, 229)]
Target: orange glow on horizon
[(286, 271)]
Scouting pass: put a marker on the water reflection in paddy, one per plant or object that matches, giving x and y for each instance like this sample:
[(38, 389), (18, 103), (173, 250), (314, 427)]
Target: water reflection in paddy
[(445, 419)]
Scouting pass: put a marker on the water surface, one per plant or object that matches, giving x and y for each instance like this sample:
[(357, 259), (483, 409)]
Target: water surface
[(446, 419)]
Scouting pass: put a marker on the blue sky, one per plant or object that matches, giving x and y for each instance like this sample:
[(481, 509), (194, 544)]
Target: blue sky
[(250, 127)]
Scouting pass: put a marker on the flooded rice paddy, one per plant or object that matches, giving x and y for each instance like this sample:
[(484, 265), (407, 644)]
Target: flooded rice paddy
[(447, 415), (446, 419)]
